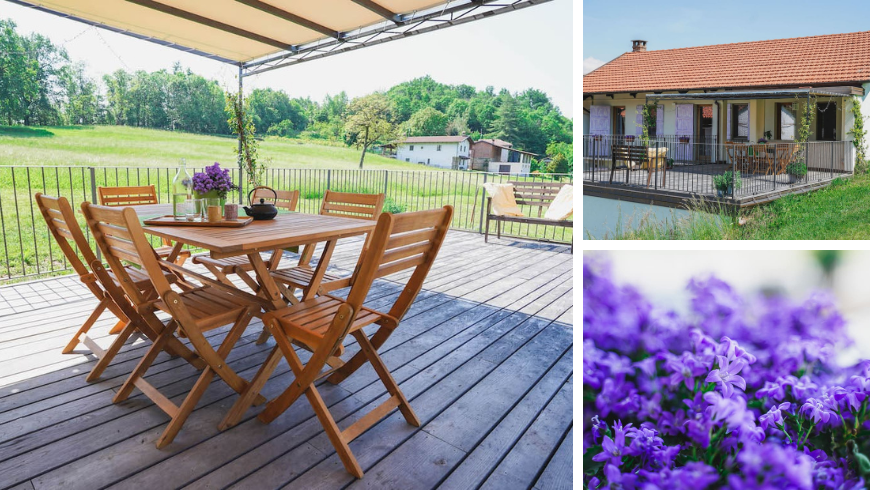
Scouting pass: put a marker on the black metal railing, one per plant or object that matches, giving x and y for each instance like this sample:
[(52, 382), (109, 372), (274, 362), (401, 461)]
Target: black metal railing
[(27, 250), (695, 168)]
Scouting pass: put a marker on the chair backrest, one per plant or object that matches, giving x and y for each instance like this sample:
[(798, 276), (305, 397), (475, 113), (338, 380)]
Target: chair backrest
[(62, 224), (285, 200), (399, 242), (631, 153), (539, 194), (119, 235), (350, 205), (127, 196)]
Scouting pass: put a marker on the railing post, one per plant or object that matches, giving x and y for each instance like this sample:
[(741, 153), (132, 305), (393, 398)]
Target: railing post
[(328, 178), (734, 176), (386, 181), (482, 206), (656, 160), (93, 173), (241, 189), (832, 163)]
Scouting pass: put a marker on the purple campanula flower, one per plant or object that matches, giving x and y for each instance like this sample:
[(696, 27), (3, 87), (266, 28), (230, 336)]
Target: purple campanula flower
[(599, 428), (772, 390), (817, 411), (773, 417), (849, 399), (613, 449), (726, 375), (617, 480)]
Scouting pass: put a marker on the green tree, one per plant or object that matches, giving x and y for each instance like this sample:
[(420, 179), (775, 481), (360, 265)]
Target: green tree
[(427, 122), (82, 104), (117, 96), (368, 121)]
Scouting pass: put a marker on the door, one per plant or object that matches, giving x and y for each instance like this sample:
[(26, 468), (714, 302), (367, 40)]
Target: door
[(826, 121), (704, 148)]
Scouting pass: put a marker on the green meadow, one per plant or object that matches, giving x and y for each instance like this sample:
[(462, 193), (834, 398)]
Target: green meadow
[(72, 161)]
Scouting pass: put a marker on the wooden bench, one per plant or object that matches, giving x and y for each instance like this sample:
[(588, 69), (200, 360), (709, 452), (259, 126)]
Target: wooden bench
[(635, 158), (539, 194)]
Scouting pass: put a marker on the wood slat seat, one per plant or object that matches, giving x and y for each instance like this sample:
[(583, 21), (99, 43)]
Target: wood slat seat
[(302, 277), (141, 279), (309, 321), (209, 307)]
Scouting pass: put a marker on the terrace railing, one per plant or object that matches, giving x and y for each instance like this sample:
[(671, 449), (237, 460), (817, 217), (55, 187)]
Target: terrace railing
[(692, 167), (27, 250)]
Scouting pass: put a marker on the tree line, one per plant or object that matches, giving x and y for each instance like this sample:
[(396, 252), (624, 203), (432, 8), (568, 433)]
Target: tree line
[(41, 85)]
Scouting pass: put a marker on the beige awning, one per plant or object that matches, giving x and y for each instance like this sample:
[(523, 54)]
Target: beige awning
[(242, 31)]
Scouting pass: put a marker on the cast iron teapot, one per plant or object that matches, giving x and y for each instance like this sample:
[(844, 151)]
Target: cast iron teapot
[(262, 210)]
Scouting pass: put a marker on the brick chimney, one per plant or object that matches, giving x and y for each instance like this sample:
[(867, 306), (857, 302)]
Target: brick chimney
[(638, 46)]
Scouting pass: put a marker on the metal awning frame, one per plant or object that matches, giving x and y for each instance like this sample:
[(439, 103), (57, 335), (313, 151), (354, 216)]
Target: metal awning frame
[(394, 27)]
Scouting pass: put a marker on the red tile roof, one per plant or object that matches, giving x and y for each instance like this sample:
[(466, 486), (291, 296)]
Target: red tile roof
[(435, 139), (798, 61)]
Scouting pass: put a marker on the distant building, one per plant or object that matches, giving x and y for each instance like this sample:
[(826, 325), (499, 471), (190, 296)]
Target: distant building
[(450, 152), (499, 156)]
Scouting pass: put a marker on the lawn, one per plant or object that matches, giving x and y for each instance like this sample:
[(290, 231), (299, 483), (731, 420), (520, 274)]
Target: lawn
[(73, 161), (840, 211), (139, 147)]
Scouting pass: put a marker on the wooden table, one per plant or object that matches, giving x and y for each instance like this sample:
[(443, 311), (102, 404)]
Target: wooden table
[(286, 230)]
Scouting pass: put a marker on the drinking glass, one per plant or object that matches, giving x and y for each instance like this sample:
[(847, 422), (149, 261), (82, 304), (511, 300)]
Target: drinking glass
[(185, 209), (213, 205)]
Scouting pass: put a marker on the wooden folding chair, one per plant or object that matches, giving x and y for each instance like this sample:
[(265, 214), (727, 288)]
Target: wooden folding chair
[(193, 312), (240, 265), (343, 204), (62, 224), (399, 242), (137, 196)]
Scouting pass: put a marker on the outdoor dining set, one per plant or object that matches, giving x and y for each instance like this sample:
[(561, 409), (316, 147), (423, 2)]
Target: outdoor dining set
[(762, 158), (155, 297)]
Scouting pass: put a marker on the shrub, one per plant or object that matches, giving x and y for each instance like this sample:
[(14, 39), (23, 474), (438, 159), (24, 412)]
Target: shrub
[(392, 207), (728, 179), (798, 169)]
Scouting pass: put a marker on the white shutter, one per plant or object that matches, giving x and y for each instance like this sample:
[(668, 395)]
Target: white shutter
[(599, 120), (685, 127)]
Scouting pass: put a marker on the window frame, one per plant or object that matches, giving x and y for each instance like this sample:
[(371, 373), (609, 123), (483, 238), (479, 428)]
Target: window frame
[(735, 122), (778, 120)]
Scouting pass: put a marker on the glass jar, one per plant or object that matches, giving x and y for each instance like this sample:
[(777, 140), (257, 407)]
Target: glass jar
[(180, 190)]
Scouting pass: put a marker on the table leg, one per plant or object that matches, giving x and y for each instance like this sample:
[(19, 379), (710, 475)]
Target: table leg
[(267, 284)]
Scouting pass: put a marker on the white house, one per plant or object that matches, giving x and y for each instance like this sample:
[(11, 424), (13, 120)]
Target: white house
[(450, 152)]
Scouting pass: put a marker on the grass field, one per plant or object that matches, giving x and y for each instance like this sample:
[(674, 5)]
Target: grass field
[(840, 211), (73, 161), (138, 147)]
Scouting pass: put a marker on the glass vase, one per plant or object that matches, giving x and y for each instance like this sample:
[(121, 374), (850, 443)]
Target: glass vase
[(180, 189)]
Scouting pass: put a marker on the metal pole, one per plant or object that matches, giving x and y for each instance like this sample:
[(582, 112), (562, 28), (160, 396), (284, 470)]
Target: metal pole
[(386, 180), (482, 206), (240, 159), (93, 173), (328, 178)]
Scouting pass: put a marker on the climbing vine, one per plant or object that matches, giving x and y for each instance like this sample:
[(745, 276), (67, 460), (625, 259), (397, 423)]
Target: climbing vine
[(805, 128), (242, 124), (649, 119), (858, 136)]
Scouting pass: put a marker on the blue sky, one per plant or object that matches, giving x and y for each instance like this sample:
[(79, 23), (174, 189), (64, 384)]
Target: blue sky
[(528, 48), (609, 26)]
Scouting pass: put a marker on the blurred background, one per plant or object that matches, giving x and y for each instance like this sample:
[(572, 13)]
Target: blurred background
[(662, 277)]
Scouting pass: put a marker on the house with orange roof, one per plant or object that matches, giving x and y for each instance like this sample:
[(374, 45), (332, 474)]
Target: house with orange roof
[(723, 121)]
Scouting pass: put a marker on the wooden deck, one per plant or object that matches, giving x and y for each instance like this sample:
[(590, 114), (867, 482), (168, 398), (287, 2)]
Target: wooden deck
[(484, 355)]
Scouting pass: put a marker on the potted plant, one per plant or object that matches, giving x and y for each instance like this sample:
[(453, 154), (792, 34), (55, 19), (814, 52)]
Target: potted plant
[(796, 171), (727, 183), (684, 139), (670, 163), (215, 182), (629, 138), (768, 136)]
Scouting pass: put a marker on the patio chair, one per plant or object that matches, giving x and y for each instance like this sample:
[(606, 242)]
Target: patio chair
[(193, 312), (760, 161), (137, 196), (399, 242), (62, 224), (343, 204), (785, 154), (240, 265)]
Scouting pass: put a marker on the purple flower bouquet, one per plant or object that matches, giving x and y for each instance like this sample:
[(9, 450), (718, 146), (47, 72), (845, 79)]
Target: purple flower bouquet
[(214, 182), (740, 393)]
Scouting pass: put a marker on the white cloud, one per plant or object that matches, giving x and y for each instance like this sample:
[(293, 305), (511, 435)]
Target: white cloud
[(590, 64)]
